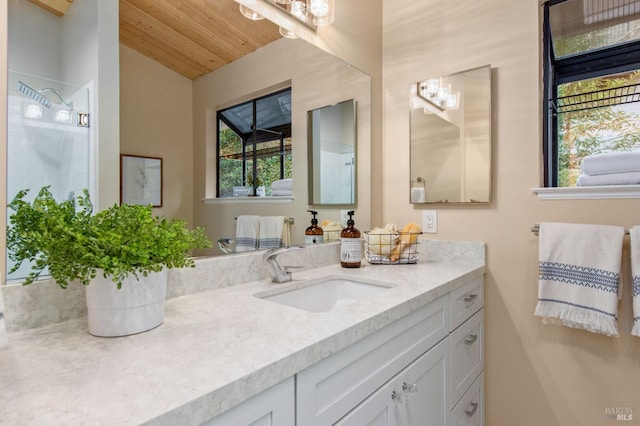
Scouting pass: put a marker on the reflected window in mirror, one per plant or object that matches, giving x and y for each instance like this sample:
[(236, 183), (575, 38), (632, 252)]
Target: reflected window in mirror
[(254, 146), (332, 154), (592, 94), (450, 145)]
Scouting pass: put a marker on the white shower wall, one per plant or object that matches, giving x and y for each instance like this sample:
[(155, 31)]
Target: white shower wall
[(42, 150)]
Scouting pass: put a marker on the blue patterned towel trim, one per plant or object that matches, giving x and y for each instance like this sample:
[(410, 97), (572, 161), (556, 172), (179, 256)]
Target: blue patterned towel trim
[(246, 242), (269, 243), (598, 279), (636, 285), (580, 306)]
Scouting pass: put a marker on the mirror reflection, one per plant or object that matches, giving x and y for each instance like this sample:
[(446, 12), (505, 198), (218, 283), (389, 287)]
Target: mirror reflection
[(166, 116), (332, 154), (451, 138)]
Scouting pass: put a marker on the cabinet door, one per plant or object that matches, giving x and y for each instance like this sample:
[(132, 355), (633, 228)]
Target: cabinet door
[(380, 409), (414, 397), (424, 386), (273, 407)]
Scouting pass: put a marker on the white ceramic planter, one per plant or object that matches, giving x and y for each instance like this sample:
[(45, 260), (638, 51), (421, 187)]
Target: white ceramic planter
[(138, 306)]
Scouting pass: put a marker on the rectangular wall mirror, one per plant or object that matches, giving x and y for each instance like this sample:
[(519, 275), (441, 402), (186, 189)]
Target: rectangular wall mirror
[(332, 154), (451, 138)]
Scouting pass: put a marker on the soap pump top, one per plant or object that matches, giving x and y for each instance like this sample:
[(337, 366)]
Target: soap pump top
[(350, 245), (313, 234)]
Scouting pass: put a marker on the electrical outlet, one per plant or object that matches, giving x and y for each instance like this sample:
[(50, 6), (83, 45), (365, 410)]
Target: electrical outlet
[(430, 221)]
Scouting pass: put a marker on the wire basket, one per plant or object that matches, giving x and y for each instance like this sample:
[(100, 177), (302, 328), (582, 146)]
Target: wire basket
[(331, 235), (391, 249)]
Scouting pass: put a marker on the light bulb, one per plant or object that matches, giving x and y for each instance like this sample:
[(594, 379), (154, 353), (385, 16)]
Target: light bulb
[(287, 33), (319, 8), (452, 100), (33, 111), (299, 10), (250, 13)]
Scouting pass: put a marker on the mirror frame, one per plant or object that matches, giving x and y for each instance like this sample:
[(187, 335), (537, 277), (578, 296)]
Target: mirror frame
[(311, 170), (489, 173)]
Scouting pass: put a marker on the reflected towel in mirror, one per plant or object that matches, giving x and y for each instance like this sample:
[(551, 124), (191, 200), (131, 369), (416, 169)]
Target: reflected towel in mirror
[(272, 229), (418, 195), (281, 193), (282, 184), (247, 233)]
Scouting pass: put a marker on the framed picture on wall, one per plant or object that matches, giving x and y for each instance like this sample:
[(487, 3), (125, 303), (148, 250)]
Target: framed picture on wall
[(140, 180)]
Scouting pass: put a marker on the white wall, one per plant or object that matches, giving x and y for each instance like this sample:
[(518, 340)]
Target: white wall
[(535, 374), (156, 109)]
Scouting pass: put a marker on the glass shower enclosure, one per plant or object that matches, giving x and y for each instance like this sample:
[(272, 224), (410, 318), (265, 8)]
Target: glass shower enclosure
[(49, 141)]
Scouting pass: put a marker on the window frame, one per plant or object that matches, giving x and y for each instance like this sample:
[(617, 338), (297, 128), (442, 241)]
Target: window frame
[(256, 138), (583, 66)]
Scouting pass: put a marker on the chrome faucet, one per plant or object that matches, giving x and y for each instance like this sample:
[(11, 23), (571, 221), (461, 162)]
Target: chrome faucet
[(278, 273)]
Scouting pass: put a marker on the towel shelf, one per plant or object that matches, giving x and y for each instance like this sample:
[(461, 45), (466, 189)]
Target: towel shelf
[(536, 230)]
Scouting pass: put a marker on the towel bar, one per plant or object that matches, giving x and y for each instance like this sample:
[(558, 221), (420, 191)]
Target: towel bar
[(289, 220), (536, 230)]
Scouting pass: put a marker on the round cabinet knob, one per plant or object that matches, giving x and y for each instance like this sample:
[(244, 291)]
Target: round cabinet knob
[(473, 407), (406, 388), (397, 397)]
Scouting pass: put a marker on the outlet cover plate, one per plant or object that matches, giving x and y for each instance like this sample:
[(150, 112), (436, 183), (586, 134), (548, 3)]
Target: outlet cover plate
[(430, 221)]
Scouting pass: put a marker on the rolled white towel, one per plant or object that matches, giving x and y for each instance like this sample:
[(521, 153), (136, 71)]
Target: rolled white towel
[(613, 162), (629, 178), (281, 192), (282, 184)]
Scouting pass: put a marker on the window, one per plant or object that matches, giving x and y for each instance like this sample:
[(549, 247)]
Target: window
[(254, 145), (591, 83)]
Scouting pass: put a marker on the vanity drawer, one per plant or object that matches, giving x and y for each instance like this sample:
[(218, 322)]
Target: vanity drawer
[(328, 390), (470, 409), (466, 301), (467, 356)]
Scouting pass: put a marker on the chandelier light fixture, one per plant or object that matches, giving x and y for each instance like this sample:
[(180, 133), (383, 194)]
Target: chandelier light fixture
[(315, 13), (438, 94)]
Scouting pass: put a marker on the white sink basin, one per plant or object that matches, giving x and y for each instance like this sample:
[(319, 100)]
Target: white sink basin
[(325, 294)]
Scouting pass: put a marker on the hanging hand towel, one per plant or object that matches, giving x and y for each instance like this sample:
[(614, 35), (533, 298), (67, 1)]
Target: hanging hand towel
[(634, 233), (579, 274), (3, 329), (247, 233), (271, 229)]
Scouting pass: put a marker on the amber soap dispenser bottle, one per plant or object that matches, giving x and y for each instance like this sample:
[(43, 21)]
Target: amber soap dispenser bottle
[(350, 245), (313, 234)]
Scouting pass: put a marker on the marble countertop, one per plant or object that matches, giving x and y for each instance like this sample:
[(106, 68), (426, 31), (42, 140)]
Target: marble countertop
[(214, 350)]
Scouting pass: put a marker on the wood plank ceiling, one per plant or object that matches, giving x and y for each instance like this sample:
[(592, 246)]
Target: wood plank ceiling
[(192, 37)]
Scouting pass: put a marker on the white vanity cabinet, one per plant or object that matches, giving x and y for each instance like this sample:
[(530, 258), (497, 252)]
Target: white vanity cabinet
[(422, 370), (466, 379), (425, 369), (273, 407), (330, 389), (416, 396)]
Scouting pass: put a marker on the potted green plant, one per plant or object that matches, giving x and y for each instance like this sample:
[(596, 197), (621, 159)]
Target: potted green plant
[(123, 251)]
